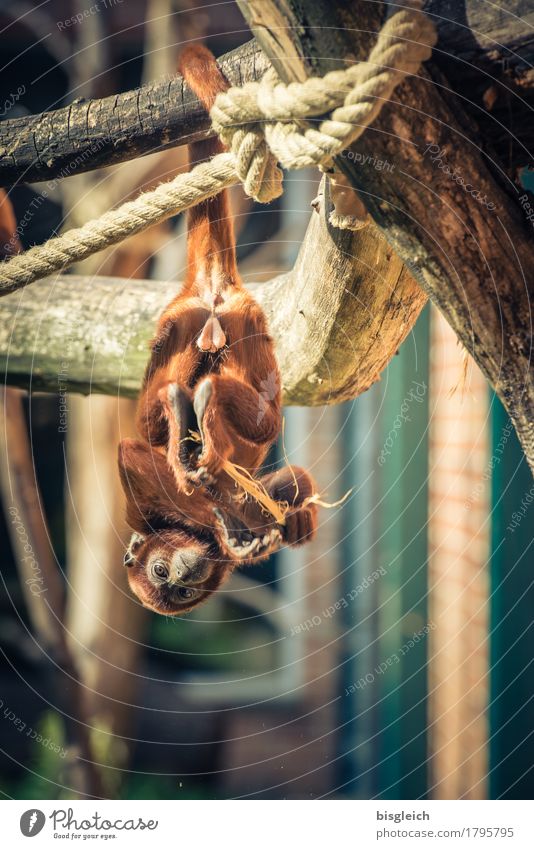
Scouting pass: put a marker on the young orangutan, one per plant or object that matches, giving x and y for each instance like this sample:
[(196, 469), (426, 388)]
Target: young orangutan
[(212, 371)]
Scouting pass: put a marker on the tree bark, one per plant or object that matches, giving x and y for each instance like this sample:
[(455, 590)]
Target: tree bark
[(467, 245), (486, 52), (479, 49)]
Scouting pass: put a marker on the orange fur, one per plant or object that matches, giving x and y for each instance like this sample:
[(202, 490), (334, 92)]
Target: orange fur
[(212, 369), (9, 240)]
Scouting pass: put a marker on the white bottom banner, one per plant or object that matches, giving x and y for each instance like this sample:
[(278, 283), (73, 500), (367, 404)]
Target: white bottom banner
[(262, 825)]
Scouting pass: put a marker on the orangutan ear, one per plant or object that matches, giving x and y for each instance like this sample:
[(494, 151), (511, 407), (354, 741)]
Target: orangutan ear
[(136, 541)]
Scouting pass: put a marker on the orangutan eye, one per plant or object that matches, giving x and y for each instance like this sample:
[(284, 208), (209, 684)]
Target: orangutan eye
[(185, 592), (160, 570)]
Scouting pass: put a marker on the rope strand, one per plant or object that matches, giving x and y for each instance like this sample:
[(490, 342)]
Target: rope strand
[(168, 199)]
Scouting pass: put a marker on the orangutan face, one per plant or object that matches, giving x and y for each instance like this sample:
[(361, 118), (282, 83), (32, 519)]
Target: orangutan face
[(171, 572)]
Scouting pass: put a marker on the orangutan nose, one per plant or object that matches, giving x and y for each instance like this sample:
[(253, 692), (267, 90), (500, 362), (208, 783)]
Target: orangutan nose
[(183, 563)]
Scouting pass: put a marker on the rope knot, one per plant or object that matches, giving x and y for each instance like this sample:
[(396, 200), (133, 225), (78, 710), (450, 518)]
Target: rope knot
[(240, 128), (253, 121)]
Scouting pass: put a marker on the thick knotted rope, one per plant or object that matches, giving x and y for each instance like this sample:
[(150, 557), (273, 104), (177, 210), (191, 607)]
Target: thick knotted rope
[(263, 124), (278, 115)]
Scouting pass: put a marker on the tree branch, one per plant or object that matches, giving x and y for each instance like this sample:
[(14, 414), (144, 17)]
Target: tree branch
[(91, 134), (448, 211)]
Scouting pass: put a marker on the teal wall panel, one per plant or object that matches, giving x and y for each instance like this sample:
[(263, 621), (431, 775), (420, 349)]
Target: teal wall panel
[(384, 714), (512, 617)]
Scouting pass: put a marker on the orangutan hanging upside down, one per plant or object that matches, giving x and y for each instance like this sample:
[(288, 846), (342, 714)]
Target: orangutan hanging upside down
[(213, 373)]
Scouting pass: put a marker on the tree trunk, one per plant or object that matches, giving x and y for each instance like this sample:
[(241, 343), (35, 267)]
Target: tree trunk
[(467, 245), (486, 51), (105, 625)]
